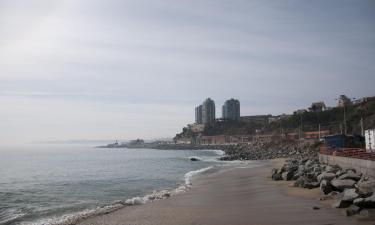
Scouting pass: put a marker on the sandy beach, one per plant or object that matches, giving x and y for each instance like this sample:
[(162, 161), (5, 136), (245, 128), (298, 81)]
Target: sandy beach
[(238, 196)]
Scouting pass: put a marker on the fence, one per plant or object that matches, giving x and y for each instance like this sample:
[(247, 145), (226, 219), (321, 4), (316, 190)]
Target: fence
[(357, 153)]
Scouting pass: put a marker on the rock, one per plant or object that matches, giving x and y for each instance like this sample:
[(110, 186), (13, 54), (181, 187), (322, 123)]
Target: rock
[(317, 169), (352, 170), (364, 214), (311, 185), (341, 204), (326, 176), (326, 187), (339, 173), (311, 177), (369, 202), (308, 163), (273, 171), (366, 188), (350, 195), (277, 176), (329, 169), (194, 159), (341, 185), (352, 210), (287, 175), (350, 175), (359, 202), (301, 169), (300, 182), (296, 176)]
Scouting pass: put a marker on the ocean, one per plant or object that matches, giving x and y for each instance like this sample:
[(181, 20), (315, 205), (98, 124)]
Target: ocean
[(58, 184)]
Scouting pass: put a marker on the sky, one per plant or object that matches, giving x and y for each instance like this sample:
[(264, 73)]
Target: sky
[(123, 69)]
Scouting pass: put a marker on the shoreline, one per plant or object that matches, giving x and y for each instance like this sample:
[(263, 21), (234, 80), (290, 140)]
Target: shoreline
[(242, 194), (147, 198)]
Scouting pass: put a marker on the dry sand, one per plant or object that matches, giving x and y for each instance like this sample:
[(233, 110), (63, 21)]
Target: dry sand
[(240, 196)]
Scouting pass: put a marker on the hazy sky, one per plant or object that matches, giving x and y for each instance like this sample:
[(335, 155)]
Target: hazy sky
[(90, 69)]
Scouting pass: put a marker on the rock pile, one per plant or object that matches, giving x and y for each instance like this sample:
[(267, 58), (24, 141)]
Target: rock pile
[(269, 150), (355, 191)]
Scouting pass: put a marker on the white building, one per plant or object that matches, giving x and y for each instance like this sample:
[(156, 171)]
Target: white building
[(370, 140)]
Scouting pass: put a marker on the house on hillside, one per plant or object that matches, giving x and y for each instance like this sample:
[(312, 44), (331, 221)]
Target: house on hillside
[(317, 107)]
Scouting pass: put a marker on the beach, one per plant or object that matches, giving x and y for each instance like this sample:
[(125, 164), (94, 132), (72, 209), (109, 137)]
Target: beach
[(240, 195)]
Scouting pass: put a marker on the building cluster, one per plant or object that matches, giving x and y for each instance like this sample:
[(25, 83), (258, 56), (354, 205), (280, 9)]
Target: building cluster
[(342, 101), (205, 113)]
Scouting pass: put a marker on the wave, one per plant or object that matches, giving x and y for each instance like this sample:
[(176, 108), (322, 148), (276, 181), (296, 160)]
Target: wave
[(10, 216), (74, 218), (217, 152), (190, 174)]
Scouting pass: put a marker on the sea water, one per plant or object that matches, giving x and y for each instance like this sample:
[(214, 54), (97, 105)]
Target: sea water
[(55, 184)]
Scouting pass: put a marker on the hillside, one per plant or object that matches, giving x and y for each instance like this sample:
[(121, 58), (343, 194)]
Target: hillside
[(332, 120)]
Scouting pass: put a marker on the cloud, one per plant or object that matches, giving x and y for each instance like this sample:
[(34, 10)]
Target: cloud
[(273, 56)]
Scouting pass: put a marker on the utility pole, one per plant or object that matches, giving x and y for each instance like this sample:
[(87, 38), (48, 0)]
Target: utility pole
[(362, 131), (300, 127), (341, 128), (345, 127), (319, 131)]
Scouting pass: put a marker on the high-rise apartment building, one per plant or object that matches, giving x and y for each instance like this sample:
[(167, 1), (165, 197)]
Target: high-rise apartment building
[(208, 111), (198, 114), (231, 110)]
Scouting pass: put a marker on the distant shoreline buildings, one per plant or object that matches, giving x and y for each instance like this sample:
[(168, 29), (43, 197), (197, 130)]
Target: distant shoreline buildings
[(205, 113), (231, 111)]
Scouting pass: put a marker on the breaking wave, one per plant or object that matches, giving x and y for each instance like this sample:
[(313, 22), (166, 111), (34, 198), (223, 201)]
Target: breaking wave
[(73, 218)]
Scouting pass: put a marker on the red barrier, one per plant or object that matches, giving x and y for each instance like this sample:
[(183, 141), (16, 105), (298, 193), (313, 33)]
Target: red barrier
[(357, 153)]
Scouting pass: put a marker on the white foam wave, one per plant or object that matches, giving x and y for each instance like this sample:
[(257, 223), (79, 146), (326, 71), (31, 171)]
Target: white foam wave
[(74, 218), (190, 174), (217, 152)]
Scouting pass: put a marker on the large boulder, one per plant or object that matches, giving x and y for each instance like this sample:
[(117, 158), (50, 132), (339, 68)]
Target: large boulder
[(366, 188), (301, 170), (273, 171), (350, 175), (312, 177), (317, 169), (326, 187), (309, 163), (300, 182), (287, 175), (341, 204), (352, 210), (350, 195), (326, 176), (359, 202), (332, 169), (194, 159), (369, 202), (277, 176), (341, 185)]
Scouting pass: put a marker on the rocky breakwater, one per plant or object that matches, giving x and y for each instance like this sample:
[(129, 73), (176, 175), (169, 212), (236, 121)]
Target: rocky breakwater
[(353, 191), (269, 150)]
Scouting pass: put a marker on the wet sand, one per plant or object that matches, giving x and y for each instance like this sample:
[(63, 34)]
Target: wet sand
[(240, 196)]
